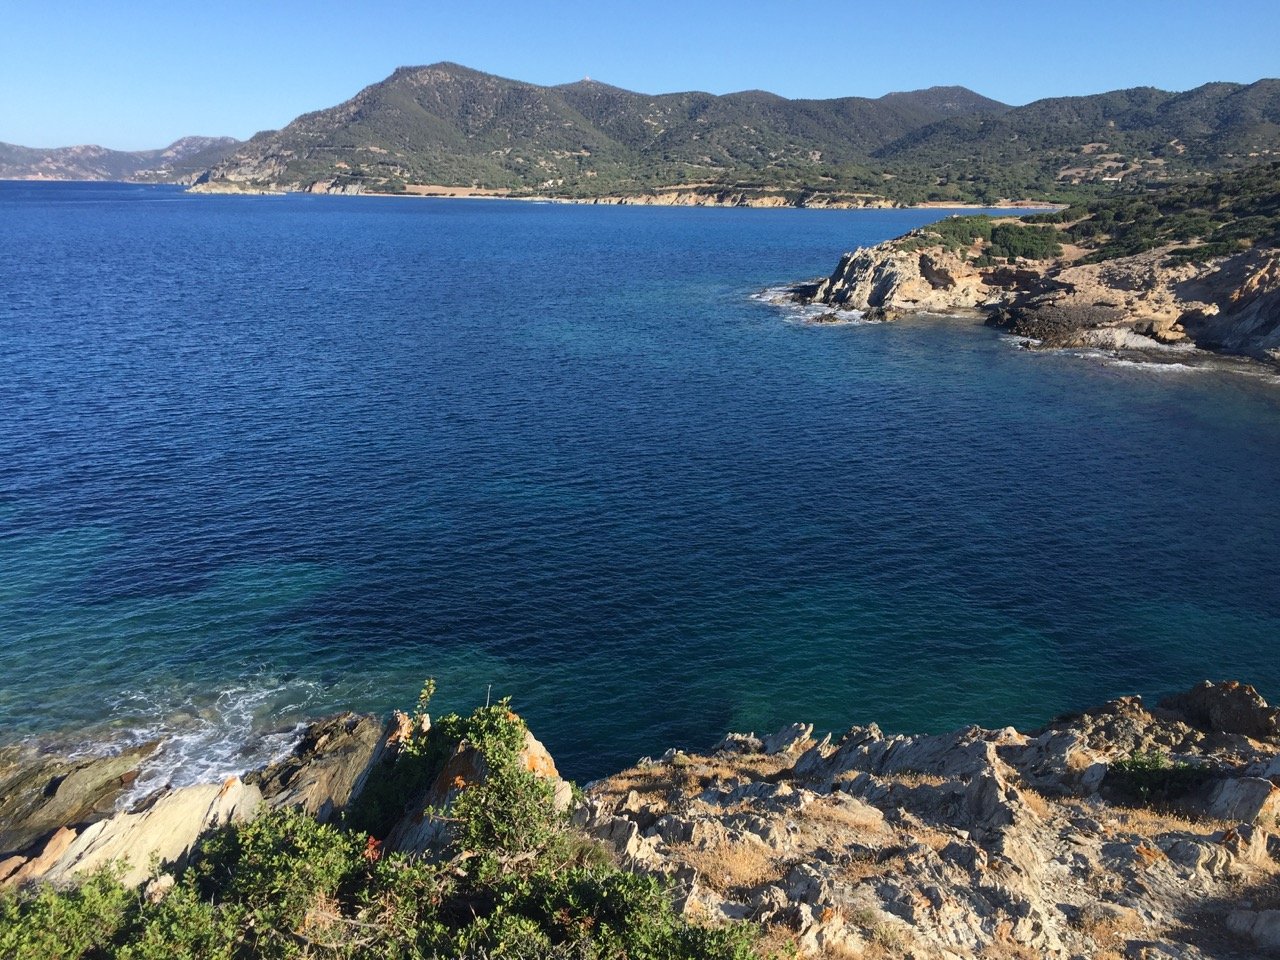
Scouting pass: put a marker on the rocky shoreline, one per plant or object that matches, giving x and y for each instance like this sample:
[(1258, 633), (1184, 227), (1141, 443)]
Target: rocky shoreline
[(675, 196), (1125, 830), (1144, 302)]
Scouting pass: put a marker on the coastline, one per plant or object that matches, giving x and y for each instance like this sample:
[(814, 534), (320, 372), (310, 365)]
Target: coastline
[(675, 196), (1148, 302), (728, 197), (947, 845)]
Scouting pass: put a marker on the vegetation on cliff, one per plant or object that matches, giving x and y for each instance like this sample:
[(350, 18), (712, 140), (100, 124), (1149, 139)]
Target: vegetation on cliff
[(999, 240), (509, 881), (1216, 217)]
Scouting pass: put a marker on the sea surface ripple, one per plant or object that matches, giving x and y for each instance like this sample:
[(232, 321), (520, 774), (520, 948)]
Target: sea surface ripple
[(264, 458)]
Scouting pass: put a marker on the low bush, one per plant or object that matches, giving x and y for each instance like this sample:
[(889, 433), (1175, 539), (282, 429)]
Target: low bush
[(511, 882), (1150, 777)]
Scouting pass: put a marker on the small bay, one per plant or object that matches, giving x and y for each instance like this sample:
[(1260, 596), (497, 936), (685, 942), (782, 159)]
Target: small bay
[(266, 458)]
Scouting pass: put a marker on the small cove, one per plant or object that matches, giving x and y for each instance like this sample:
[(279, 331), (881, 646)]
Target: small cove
[(265, 458)]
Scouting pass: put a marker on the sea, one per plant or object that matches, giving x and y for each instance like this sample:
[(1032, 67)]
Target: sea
[(267, 458)]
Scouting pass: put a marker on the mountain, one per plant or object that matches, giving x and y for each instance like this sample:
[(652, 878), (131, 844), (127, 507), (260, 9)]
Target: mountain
[(1142, 134), (447, 124), (181, 158)]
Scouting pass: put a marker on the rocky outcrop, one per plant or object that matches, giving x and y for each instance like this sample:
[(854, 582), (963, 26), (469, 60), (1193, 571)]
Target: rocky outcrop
[(1226, 707), (42, 792), (893, 280), (163, 833), (972, 843), (1119, 831), (1230, 304), (687, 197), (328, 767), (60, 819)]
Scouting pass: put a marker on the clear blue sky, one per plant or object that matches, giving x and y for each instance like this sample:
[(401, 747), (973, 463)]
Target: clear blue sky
[(131, 75)]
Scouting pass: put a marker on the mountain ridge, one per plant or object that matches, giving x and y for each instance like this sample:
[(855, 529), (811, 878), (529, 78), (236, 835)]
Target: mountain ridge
[(181, 158), (445, 124), (448, 126)]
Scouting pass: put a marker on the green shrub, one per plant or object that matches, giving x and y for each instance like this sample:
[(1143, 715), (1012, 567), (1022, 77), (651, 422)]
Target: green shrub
[(183, 926), (62, 925), (1151, 777), (513, 883), (1033, 243)]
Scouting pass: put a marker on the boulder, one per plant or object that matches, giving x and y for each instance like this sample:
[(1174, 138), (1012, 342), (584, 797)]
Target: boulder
[(1243, 800), (329, 767), (788, 739), (1260, 926), (739, 743), (1227, 707)]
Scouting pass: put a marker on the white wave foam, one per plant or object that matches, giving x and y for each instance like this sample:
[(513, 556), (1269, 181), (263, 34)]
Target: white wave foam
[(207, 738), (809, 313), (1154, 366)]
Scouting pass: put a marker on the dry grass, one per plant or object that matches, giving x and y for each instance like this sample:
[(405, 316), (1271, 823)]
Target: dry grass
[(837, 812), (1038, 803), (1150, 822), (1110, 931), (728, 867), (778, 942), (887, 860), (687, 774), (915, 778), (1007, 950)]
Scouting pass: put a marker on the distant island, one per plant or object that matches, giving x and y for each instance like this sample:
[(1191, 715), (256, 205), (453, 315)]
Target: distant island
[(446, 130)]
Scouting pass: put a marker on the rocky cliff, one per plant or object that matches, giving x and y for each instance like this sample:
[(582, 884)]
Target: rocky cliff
[(1122, 831), (1229, 304)]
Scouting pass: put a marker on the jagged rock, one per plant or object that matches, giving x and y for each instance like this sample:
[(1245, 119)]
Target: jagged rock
[(887, 279), (166, 832), (329, 766), (1138, 303), (39, 794), (1227, 707), (969, 843), (739, 743), (787, 739)]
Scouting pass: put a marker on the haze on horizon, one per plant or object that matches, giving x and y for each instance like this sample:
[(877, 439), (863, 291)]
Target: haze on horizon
[(132, 75)]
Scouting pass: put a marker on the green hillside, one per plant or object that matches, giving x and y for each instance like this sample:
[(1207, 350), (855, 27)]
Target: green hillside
[(1046, 147), (448, 125)]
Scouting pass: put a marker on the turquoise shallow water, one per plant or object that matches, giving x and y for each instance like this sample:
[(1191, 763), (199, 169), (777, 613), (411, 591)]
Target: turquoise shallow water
[(262, 458)]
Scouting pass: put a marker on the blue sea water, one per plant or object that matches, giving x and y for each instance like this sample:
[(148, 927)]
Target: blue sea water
[(264, 458)]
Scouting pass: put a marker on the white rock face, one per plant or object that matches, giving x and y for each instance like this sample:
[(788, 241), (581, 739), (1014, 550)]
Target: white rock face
[(888, 279), (1129, 303), (167, 831)]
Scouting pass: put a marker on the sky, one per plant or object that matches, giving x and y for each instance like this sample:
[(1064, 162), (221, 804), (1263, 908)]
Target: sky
[(138, 75)]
